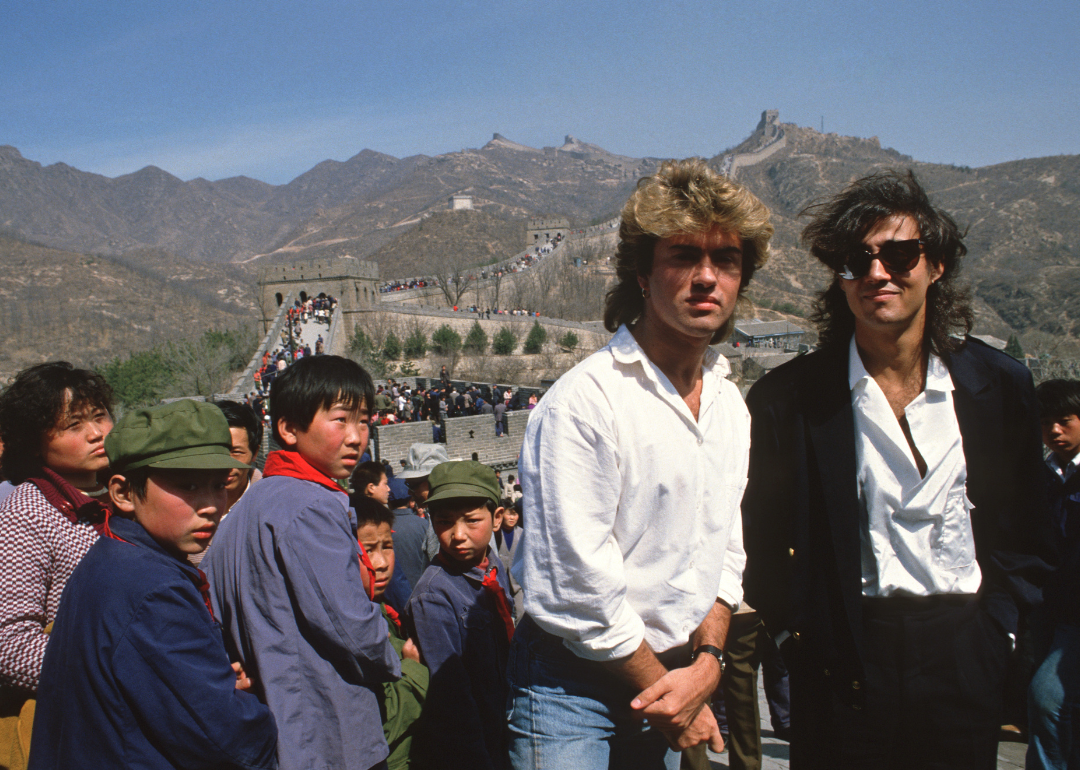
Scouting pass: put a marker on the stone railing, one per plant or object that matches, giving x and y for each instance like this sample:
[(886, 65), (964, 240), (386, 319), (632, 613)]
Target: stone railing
[(464, 435), (445, 312), (246, 383)]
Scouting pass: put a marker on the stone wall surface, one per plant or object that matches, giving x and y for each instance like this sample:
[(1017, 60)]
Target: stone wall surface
[(392, 442), (464, 435)]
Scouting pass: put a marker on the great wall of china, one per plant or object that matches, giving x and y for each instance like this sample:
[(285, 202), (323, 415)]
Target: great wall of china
[(356, 285)]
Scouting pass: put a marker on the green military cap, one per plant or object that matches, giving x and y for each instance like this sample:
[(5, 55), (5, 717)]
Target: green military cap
[(463, 478), (185, 434)]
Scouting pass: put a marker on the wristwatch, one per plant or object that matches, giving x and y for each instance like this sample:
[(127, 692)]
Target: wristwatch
[(708, 649)]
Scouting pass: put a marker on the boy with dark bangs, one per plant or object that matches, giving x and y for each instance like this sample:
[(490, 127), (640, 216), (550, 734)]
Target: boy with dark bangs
[(401, 703), (462, 617), (136, 674), (53, 422), (285, 575)]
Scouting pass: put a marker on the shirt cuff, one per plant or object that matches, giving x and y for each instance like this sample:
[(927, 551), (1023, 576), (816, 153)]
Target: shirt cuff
[(620, 640), (730, 591)]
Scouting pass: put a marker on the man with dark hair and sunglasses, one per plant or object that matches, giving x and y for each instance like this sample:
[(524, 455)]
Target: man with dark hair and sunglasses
[(894, 523)]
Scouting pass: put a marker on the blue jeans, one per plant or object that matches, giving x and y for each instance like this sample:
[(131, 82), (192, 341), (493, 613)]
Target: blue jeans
[(1053, 704), (566, 711)]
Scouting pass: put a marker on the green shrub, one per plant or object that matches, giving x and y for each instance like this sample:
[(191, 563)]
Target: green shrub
[(534, 343), (360, 344), (568, 341), (504, 342), (140, 380), (445, 340), (476, 341), (415, 344), (391, 347)]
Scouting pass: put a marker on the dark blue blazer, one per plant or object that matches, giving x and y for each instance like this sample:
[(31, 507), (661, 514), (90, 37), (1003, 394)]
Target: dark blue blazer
[(136, 673), (801, 514)]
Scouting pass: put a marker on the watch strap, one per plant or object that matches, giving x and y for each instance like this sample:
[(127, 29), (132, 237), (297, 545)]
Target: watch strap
[(709, 649)]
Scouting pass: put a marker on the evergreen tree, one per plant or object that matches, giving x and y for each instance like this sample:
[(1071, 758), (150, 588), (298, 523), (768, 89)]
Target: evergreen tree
[(391, 347), (534, 343), (476, 341), (415, 344), (504, 342), (1012, 347), (445, 340), (568, 341), (360, 345)]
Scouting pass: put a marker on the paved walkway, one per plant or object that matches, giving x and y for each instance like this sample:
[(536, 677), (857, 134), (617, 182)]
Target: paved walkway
[(774, 752)]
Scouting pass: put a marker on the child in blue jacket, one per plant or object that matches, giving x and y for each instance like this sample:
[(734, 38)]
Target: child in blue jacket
[(285, 576), (461, 615), (135, 672)]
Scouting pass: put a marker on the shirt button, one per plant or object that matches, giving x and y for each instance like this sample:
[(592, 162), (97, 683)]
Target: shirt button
[(700, 441), (856, 685)]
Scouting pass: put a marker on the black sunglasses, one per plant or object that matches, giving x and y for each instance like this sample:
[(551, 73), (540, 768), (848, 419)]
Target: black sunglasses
[(895, 256)]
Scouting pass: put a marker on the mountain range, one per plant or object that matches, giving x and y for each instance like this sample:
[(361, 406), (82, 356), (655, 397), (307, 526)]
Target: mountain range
[(1023, 230)]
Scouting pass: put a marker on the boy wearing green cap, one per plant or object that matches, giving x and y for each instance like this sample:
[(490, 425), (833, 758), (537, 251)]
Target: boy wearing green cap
[(136, 673), (461, 615)]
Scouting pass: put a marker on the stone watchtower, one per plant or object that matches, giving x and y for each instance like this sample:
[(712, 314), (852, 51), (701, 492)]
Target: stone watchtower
[(768, 125), (539, 230), (353, 282)]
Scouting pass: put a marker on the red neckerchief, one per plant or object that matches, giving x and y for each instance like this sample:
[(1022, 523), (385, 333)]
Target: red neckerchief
[(365, 563), (71, 502), (200, 582), (491, 583), (291, 464), (392, 614)]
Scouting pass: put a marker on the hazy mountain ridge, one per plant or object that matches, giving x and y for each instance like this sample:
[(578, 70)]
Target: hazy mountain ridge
[(1022, 220), (89, 309), (1024, 236), (338, 207)]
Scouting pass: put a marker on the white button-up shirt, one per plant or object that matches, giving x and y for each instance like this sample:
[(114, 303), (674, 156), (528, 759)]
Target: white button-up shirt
[(916, 536), (632, 527)]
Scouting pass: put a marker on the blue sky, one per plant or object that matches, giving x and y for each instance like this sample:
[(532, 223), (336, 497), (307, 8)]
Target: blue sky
[(269, 89)]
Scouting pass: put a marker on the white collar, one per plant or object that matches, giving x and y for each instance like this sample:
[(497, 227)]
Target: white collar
[(938, 379), (626, 350)]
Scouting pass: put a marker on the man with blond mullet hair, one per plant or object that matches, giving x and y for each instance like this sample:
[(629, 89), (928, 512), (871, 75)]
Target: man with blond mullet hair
[(633, 467)]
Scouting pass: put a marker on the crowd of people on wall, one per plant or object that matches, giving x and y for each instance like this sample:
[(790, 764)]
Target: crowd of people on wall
[(399, 403), (516, 265), (888, 527)]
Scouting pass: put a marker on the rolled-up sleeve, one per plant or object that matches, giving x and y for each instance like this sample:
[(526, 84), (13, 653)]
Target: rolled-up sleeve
[(731, 590)]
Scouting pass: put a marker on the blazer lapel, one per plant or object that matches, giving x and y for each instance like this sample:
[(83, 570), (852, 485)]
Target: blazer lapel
[(973, 399)]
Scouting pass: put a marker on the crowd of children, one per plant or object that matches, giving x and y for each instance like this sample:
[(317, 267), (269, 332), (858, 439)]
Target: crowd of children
[(284, 652), (293, 649)]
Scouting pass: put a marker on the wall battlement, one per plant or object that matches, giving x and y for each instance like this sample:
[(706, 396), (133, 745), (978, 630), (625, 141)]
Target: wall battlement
[(353, 282)]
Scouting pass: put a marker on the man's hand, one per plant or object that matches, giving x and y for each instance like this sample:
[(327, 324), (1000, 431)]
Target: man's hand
[(242, 680), (411, 651), (674, 704), (702, 730)]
